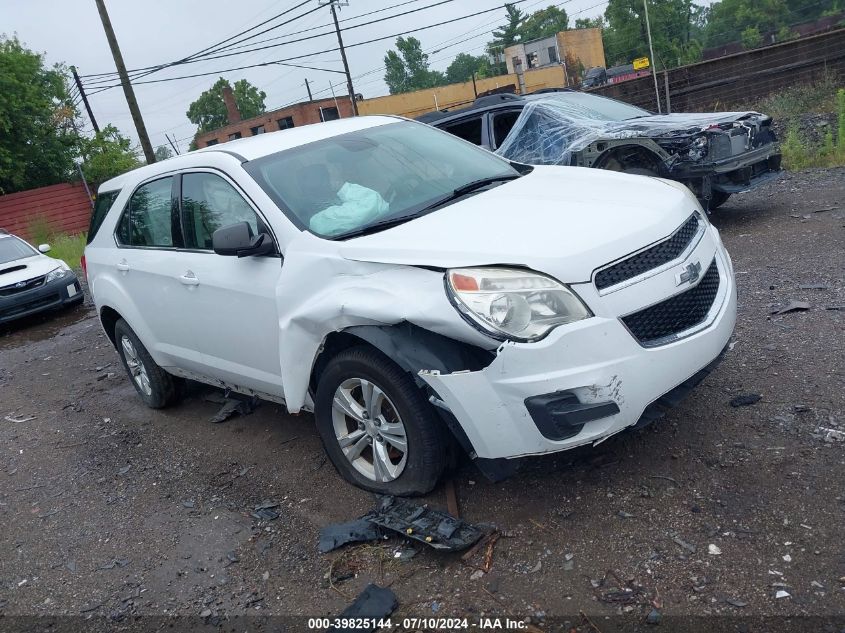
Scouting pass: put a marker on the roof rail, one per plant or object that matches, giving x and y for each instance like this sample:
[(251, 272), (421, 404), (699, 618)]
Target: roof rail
[(496, 98), (547, 90), (4, 232)]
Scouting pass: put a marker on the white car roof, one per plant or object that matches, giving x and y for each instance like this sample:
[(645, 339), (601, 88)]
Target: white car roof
[(254, 146)]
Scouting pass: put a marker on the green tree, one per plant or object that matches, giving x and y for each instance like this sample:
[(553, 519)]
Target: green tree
[(729, 19), (38, 140), (464, 65), (106, 155), (208, 112), (408, 69), (589, 23), (163, 152), (676, 27), (543, 23), (506, 35), (751, 37)]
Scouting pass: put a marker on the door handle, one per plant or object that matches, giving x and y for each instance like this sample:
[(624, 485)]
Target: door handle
[(189, 279), (122, 265)]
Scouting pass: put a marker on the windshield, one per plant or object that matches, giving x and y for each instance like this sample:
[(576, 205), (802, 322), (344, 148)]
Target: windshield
[(346, 183), (12, 248), (587, 106)]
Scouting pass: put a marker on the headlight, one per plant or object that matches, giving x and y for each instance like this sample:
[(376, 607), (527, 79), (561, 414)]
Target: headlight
[(57, 273), (513, 304)]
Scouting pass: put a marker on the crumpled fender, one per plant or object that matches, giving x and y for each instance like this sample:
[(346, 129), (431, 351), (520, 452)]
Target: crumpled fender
[(320, 293)]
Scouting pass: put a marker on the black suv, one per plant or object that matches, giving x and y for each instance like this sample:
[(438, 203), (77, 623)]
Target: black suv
[(714, 154)]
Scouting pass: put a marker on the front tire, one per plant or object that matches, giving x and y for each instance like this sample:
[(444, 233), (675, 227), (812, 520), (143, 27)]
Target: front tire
[(157, 388), (378, 429), (717, 199)]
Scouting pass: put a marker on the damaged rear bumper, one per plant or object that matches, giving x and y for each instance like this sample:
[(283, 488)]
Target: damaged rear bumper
[(581, 384)]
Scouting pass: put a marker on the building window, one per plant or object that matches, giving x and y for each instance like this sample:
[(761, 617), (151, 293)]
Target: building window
[(258, 129), (234, 135), (552, 54), (211, 142), (328, 114), (285, 123)]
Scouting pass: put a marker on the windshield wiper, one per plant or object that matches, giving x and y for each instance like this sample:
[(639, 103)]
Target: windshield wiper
[(401, 219), (475, 185), (482, 182), (377, 226)]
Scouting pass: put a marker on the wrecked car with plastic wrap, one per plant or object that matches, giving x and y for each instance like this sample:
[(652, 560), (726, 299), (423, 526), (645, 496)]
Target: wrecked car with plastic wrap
[(715, 154), (421, 296)]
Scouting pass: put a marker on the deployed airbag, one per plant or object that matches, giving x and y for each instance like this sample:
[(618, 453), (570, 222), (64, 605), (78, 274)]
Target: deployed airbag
[(358, 206)]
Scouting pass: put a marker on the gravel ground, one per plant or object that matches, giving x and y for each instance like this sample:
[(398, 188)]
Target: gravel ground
[(110, 509)]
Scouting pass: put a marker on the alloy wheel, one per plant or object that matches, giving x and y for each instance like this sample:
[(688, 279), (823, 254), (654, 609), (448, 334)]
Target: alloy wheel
[(136, 366), (369, 430)]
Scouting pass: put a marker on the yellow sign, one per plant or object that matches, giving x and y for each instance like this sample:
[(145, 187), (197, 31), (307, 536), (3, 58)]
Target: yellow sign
[(640, 63)]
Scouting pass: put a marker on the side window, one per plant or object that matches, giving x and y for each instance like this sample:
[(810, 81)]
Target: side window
[(502, 125), (209, 203), (467, 129), (101, 209), (149, 220)]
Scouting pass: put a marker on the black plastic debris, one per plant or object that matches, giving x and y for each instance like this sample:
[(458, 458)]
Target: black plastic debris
[(746, 400), (235, 404), (372, 604), (436, 529), (333, 536), (265, 511), (793, 306)]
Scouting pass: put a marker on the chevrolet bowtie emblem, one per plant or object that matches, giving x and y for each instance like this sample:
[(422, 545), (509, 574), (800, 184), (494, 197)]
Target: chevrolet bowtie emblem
[(690, 274)]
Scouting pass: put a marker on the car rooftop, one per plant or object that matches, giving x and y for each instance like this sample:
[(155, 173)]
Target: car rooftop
[(253, 147), (488, 102)]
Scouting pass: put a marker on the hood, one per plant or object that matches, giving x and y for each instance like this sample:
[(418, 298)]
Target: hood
[(563, 221), (681, 122), (26, 268)]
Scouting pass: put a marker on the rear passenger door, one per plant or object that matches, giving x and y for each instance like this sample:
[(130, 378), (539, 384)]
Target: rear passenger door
[(230, 302)]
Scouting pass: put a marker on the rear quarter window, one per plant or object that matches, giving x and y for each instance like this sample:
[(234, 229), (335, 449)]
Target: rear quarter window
[(102, 204)]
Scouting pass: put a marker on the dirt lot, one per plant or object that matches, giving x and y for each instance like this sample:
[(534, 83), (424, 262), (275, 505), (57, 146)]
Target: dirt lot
[(110, 509)]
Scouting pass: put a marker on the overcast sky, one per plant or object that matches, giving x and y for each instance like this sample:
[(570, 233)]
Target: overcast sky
[(152, 32)]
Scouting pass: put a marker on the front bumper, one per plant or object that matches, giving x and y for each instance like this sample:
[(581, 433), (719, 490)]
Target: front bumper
[(593, 362), (49, 296)]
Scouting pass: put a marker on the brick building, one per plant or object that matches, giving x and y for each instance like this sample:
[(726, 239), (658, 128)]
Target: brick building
[(291, 116)]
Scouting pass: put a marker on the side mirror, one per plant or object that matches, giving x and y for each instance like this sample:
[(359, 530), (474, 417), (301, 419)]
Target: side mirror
[(44, 248), (238, 240)]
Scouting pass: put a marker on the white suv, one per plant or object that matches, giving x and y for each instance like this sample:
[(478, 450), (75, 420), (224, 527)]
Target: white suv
[(415, 292)]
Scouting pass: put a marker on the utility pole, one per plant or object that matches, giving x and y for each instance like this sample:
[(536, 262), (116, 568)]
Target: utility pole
[(308, 88), (651, 50), (85, 99), (127, 87), (343, 57), (175, 149)]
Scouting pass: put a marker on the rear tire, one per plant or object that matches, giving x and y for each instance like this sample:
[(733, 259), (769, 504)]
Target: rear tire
[(717, 199), (157, 388), (367, 409)]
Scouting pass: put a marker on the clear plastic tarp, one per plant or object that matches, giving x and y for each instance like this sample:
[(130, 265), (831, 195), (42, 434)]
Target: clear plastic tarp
[(550, 129)]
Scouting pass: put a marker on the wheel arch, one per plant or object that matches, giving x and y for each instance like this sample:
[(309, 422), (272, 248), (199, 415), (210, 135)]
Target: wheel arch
[(413, 349), (108, 319)]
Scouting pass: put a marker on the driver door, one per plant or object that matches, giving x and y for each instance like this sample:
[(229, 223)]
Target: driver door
[(232, 300)]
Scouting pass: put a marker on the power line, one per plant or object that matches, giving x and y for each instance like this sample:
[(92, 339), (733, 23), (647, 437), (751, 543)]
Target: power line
[(370, 41), (213, 46), (211, 55)]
